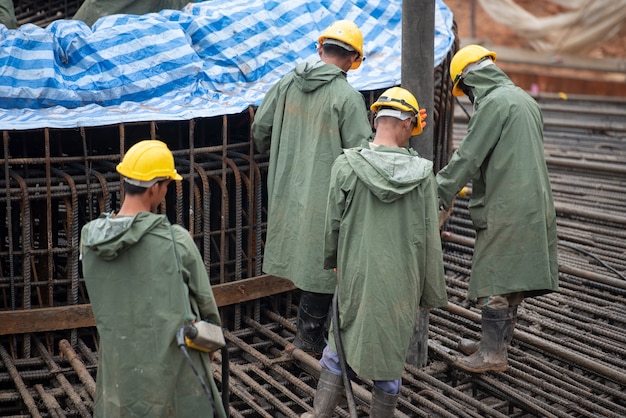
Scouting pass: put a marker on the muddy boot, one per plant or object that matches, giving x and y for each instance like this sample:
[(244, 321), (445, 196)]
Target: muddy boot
[(312, 314), (508, 335), (329, 390), (468, 347), (492, 355), (383, 404)]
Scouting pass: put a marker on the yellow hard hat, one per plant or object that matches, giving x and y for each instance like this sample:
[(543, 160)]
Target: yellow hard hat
[(346, 32), (465, 56), (400, 99), (148, 160)]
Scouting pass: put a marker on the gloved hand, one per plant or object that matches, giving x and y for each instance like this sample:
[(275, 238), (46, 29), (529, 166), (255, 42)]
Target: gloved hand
[(423, 116), (465, 192)]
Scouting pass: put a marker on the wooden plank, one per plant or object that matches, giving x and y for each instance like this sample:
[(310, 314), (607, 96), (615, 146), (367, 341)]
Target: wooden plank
[(543, 80), (81, 316), (46, 319), (550, 59), (250, 289), (570, 74)]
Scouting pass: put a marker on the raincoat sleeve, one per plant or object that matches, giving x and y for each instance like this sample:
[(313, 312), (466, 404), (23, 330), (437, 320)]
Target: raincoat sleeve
[(338, 195), (434, 291), (264, 119), (194, 273), (355, 127), (483, 134)]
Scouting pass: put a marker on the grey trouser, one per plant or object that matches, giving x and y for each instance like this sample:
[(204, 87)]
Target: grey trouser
[(508, 300)]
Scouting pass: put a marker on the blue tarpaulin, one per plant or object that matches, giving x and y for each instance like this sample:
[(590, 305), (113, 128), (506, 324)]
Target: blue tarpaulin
[(210, 58)]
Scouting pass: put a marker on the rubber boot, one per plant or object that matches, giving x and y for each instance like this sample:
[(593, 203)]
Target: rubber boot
[(468, 347), (329, 390), (312, 314), (492, 354), (383, 403), (508, 335)]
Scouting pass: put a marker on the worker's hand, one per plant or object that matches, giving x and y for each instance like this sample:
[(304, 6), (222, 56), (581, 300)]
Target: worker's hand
[(444, 214), (423, 116), (465, 192)]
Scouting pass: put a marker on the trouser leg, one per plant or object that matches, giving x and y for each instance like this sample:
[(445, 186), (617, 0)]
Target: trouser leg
[(312, 315), (384, 393)]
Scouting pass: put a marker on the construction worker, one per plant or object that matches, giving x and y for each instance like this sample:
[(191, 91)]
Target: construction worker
[(382, 236), (305, 121), (511, 206), (145, 278)]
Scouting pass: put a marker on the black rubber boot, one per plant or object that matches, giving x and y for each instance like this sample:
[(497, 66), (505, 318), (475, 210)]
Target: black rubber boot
[(312, 314), (383, 404), (508, 336), (492, 354), (468, 347), (329, 390)]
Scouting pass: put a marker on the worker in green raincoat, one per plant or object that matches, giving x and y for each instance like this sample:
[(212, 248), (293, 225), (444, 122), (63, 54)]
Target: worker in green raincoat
[(382, 236), (304, 122), (511, 206), (146, 279)]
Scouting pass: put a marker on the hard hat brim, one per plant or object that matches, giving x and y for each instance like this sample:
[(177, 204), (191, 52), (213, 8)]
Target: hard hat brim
[(417, 130), (456, 91)]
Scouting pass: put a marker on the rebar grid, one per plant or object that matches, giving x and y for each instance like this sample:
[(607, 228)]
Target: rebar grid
[(567, 357)]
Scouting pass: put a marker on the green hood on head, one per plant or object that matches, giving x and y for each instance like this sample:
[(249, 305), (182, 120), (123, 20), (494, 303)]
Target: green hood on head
[(109, 236), (310, 76), (388, 172), (485, 80)]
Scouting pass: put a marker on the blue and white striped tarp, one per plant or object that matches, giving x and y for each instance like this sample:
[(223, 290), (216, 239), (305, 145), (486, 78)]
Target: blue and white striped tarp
[(212, 58)]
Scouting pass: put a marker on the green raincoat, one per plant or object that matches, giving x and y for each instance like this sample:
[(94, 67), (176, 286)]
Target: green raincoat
[(139, 301), (511, 204), (304, 121), (382, 234)]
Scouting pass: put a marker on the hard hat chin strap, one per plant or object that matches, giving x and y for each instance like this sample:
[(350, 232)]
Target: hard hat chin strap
[(467, 90)]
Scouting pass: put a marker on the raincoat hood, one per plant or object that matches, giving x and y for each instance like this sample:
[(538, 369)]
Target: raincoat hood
[(109, 236), (486, 79), (310, 76), (388, 172)]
